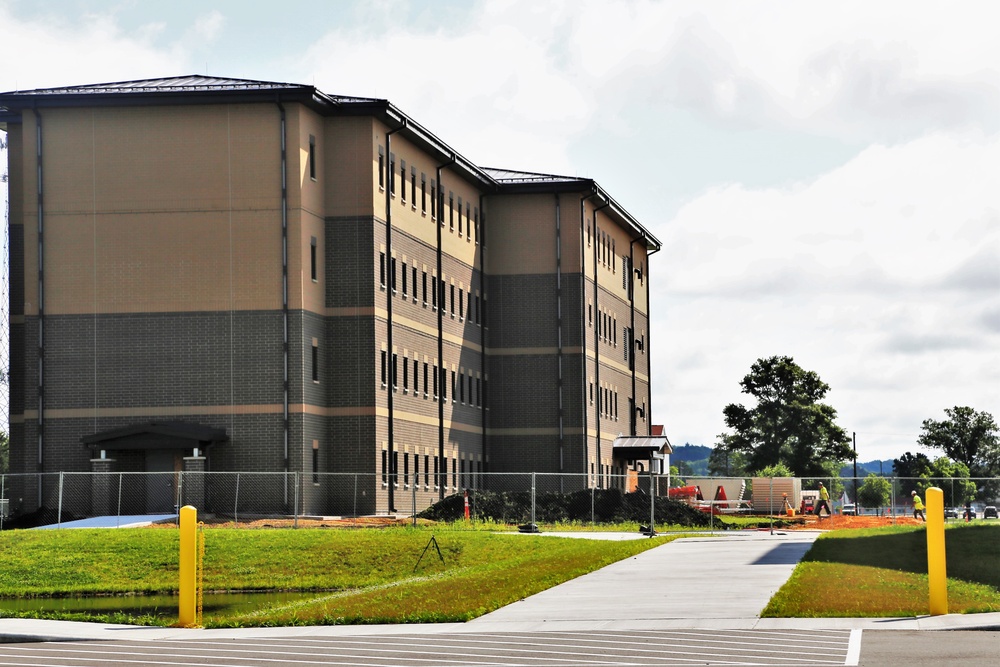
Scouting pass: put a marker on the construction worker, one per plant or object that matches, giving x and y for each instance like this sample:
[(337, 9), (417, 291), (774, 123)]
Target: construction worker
[(918, 506), (824, 500)]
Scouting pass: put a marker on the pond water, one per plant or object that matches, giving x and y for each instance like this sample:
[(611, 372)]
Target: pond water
[(215, 605)]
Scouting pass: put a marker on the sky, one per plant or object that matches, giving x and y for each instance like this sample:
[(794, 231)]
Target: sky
[(824, 177)]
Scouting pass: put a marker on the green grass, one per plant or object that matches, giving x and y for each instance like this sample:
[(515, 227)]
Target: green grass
[(882, 572), (368, 576)]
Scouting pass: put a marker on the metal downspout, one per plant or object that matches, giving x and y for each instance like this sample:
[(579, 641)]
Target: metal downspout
[(597, 339), (393, 369), (583, 326), (649, 339), (631, 329), (284, 285), (559, 343), (480, 237), (41, 300), (441, 370)]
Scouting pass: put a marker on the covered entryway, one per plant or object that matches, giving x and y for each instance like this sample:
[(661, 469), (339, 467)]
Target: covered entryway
[(161, 450), (642, 453)]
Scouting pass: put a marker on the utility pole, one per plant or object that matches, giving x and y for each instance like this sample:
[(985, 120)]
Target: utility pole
[(854, 445)]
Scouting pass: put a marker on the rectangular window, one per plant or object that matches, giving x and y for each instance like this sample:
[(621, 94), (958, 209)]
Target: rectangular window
[(381, 269), (444, 384), (454, 387), (423, 194), (416, 383), (395, 469), (452, 299), (313, 269), (315, 360), (413, 186), (406, 376), (395, 372), (402, 181), (461, 387), (591, 393), (614, 330), (385, 467), (437, 479), (315, 461), (475, 213), (413, 275), (392, 276), (312, 157), (435, 383), (462, 477), (381, 171), (444, 472), (424, 288), (385, 367), (434, 292), (451, 212), (406, 470), (425, 380), (416, 470), (460, 216), (461, 305), (478, 306), (427, 470), (468, 222), (392, 174), (405, 290), (454, 472), (625, 272), (434, 201), (479, 392)]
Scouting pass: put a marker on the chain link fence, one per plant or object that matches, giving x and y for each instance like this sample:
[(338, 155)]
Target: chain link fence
[(529, 500)]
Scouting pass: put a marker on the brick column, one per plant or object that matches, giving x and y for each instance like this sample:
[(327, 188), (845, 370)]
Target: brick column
[(194, 482), (103, 488)]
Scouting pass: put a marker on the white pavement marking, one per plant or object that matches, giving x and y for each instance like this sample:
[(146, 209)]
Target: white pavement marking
[(854, 648)]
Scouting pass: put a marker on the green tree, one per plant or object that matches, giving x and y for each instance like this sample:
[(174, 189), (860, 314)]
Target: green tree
[(912, 465), (966, 436), (952, 477), (724, 463), (789, 424), (776, 470), (4, 453), (874, 492)]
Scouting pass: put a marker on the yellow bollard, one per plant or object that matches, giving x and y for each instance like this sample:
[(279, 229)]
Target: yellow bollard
[(186, 614), (937, 572)]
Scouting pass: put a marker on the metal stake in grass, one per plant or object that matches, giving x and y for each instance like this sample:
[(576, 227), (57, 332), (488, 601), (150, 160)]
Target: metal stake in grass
[(434, 542)]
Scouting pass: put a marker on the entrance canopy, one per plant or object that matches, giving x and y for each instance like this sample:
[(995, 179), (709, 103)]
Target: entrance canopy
[(156, 435), (641, 447)]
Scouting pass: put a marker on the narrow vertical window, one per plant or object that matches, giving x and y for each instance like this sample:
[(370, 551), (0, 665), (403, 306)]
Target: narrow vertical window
[(392, 174), (433, 200), (406, 376), (454, 472), (460, 216), (423, 193), (413, 275), (385, 467), (437, 478), (315, 360), (406, 469), (444, 384), (427, 470), (479, 392), (402, 181), (395, 372), (385, 369), (454, 387), (313, 268), (468, 223), (413, 186), (381, 269), (392, 276), (425, 381), (434, 292), (416, 383), (478, 304), (435, 383), (315, 461), (461, 305), (451, 212), (461, 387), (312, 157), (381, 169), (424, 288), (475, 213), (452, 310), (405, 273)]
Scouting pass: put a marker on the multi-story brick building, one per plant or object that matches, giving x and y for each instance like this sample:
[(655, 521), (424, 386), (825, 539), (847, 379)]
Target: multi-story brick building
[(252, 276)]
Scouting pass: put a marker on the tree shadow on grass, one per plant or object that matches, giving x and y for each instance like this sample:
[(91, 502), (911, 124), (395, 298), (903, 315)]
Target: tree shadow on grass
[(971, 552)]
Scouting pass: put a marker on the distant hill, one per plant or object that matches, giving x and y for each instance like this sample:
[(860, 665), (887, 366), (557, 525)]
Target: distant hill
[(691, 459), (868, 467)]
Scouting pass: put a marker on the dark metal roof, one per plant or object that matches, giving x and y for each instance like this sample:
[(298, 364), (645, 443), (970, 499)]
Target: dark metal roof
[(198, 89), (151, 435), (639, 447)]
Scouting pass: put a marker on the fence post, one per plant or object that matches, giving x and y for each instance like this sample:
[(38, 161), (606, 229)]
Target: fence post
[(59, 510), (592, 521), (4, 507), (533, 498), (118, 508), (295, 510), (236, 503), (416, 480), (355, 497), (180, 491), (652, 504)]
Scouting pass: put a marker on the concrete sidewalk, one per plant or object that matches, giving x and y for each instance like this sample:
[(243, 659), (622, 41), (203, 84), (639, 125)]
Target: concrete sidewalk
[(720, 582)]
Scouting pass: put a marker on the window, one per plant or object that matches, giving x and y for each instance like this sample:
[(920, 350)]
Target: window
[(416, 384), (413, 275), (461, 305), (460, 216), (395, 372), (392, 174), (381, 170), (591, 393), (437, 479), (385, 469), (423, 194), (461, 387), (468, 222), (315, 360), (433, 201), (427, 481), (402, 181), (406, 470), (444, 384), (479, 392), (434, 292), (614, 330), (475, 212), (454, 387), (454, 472), (381, 269), (435, 383), (444, 472), (313, 269), (590, 314), (315, 452), (406, 376), (477, 308), (425, 382), (392, 277), (452, 310), (385, 369), (413, 186), (451, 212), (395, 469), (625, 272), (425, 288), (405, 291), (312, 157)]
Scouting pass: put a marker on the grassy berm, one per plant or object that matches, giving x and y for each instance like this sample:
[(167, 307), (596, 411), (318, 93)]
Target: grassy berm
[(392, 575), (882, 572)]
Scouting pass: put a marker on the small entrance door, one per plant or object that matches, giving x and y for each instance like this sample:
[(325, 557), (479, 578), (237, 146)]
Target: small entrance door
[(161, 487)]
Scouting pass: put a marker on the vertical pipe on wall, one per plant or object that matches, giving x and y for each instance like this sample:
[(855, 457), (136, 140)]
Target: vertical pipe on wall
[(649, 340), (559, 345), (284, 289), (441, 371), (389, 164), (597, 339), (631, 330), (41, 300), (481, 243)]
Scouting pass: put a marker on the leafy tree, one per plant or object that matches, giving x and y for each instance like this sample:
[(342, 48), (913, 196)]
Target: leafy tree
[(4, 452), (966, 436), (952, 477), (874, 492), (789, 424), (724, 463), (776, 470), (912, 465)]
